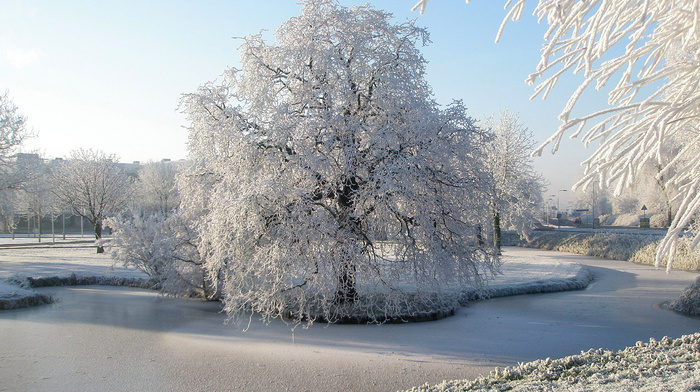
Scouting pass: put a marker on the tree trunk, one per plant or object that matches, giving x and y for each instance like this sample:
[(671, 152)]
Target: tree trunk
[(497, 230), (347, 285), (98, 236), (347, 291)]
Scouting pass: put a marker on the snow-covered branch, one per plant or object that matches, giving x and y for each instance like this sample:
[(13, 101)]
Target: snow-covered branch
[(651, 49)]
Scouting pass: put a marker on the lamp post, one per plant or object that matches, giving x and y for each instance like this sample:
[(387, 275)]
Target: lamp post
[(559, 211), (550, 207)]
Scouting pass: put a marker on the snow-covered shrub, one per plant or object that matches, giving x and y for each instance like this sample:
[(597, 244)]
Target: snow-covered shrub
[(658, 220), (163, 248), (689, 301), (632, 220)]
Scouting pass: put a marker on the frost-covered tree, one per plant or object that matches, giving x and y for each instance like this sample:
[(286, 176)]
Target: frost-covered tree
[(625, 204), (515, 189), (157, 187), (93, 186), (652, 189), (8, 211), (13, 133), (331, 183), (23, 174), (597, 200), (650, 50), (166, 249), (35, 200)]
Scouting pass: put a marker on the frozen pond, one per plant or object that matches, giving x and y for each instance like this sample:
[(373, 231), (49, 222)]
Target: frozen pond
[(106, 338)]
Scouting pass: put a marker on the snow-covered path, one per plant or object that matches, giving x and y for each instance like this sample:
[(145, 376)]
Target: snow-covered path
[(105, 338)]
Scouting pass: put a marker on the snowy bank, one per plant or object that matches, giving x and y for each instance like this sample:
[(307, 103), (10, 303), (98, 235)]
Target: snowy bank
[(17, 292), (658, 365), (13, 296), (689, 300), (522, 275), (26, 264), (637, 246), (77, 264)]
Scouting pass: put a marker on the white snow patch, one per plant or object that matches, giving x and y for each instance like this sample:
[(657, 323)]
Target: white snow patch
[(11, 291)]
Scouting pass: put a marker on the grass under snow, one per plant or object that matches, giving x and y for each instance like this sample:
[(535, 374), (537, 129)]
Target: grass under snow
[(664, 365)]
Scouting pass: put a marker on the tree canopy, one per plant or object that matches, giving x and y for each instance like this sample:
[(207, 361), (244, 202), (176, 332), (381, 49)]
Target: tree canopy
[(328, 180)]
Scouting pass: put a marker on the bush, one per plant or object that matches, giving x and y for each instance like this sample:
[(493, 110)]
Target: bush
[(689, 301)]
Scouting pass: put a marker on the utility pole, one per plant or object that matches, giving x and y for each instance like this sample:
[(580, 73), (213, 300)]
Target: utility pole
[(558, 210)]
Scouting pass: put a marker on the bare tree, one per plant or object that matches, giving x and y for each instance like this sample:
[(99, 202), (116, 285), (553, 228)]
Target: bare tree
[(93, 185), (35, 200)]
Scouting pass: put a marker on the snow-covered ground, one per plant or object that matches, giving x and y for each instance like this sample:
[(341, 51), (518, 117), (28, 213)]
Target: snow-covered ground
[(663, 365), (60, 260), (104, 338), (25, 257)]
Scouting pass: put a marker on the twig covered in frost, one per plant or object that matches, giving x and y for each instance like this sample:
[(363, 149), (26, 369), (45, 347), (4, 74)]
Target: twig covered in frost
[(650, 50)]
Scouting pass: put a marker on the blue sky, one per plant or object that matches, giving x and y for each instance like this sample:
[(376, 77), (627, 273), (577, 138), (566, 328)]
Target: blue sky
[(109, 75)]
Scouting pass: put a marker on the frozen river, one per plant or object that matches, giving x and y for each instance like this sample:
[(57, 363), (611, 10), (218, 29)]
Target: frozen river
[(109, 339)]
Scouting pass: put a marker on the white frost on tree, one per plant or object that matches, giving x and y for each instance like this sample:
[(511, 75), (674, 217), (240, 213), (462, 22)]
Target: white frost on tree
[(13, 133), (92, 185), (157, 188), (165, 248), (330, 182), (35, 200), (515, 189), (21, 175), (650, 50)]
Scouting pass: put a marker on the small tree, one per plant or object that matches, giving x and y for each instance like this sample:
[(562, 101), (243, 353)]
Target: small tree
[(24, 173), (335, 185), (8, 210), (93, 185), (515, 189)]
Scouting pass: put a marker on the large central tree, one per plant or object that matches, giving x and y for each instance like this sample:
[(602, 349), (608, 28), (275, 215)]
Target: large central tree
[(328, 180)]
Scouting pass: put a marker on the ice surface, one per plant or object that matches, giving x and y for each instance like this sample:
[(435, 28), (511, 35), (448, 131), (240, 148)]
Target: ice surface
[(108, 338)]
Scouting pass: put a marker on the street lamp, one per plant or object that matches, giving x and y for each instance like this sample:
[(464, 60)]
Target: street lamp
[(549, 207), (559, 211)]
